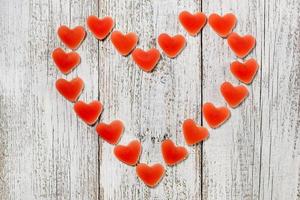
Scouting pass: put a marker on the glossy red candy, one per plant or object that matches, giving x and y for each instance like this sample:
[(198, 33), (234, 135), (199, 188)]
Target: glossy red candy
[(89, 113), (112, 132), (234, 95), (173, 154), (129, 154), (72, 38), (222, 25), (146, 60), (193, 133), (171, 46), (71, 90), (215, 117), (241, 45), (100, 27), (150, 175), (244, 72), (65, 62), (192, 23), (124, 43)]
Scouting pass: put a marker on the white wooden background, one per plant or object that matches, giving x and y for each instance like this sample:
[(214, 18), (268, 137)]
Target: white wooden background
[(47, 153)]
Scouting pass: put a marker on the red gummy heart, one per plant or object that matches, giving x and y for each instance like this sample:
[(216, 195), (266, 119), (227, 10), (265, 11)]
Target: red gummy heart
[(244, 72), (172, 154), (124, 43), (192, 23), (215, 117), (241, 45), (65, 62), (129, 154), (192, 133), (100, 27), (146, 60), (70, 89), (150, 175), (72, 38), (172, 46), (234, 96), (222, 25), (89, 113), (112, 132)]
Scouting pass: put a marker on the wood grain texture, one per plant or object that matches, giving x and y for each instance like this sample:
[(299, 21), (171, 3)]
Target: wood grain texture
[(231, 155), (47, 153), (257, 150), (152, 105)]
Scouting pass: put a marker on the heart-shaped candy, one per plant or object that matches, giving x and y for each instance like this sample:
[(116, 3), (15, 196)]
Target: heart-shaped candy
[(222, 25), (65, 62), (244, 72), (146, 60), (89, 113), (241, 45), (234, 96), (71, 90), (172, 46), (72, 38), (193, 133), (100, 27), (215, 117), (124, 43), (150, 175), (129, 154), (172, 154), (192, 23), (112, 132)]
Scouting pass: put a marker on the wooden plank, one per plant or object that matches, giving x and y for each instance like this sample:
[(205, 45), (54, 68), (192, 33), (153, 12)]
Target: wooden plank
[(249, 161), (280, 107), (50, 154), (85, 170), (23, 63), (76, 161), (231, 155), (4, 139), (152, 105)]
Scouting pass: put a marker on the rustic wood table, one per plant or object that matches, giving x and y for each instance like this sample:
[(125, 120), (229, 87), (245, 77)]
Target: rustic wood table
[(47, 153)]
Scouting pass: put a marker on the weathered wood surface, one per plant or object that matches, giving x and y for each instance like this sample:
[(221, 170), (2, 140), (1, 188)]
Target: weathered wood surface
[(47, 153)]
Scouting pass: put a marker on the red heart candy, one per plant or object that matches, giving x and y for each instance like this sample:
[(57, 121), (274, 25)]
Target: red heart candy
[(112, 132), (146, 60), (150, 175), (172, 46), (89, 113), (234, 96), (215, 117), (129, 154), (65, 62), (192, 23), (244, 72), (222, 25), (172, 154), (100, 27), (124, 43), (72, 38), (241, 45), (192, 133), (70, 89)]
